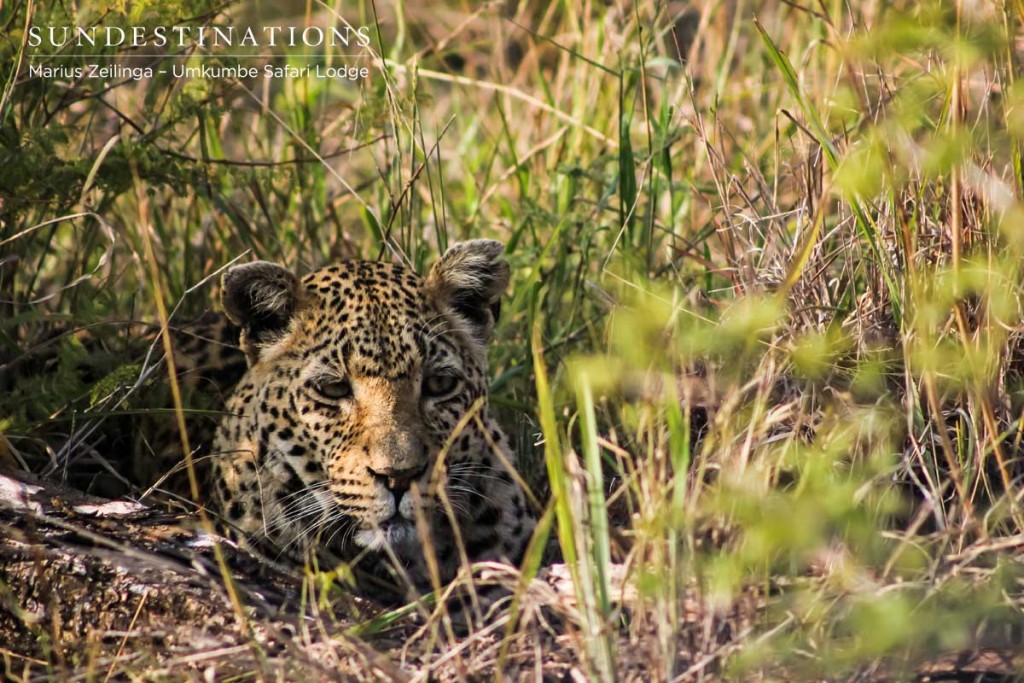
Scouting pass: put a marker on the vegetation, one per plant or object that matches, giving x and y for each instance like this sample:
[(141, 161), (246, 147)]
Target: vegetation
[(766, 310)]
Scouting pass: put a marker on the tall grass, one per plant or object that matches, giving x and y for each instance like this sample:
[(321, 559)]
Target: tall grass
[(762, 353)]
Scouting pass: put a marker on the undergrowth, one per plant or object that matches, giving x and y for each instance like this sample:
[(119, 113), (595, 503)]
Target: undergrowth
[(762, 350)]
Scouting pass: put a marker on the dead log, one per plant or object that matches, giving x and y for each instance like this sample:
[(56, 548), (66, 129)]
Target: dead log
[(94, 589), (90, 585)]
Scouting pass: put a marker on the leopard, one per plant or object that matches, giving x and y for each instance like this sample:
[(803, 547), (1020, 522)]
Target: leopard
[(361, 431)]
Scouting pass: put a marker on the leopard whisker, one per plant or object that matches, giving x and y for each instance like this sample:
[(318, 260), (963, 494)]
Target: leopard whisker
[(342, 523), (306, 534), (297, 510), (434, 331), (294, 517), (468, 467), (306, 489), (301, 498)]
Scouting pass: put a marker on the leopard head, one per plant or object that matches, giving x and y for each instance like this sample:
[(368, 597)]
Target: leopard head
[(357, 425)]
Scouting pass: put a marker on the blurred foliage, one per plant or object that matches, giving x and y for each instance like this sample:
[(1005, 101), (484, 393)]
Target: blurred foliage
[(766, 303)]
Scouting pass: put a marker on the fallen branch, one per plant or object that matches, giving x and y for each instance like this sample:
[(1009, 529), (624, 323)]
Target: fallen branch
[(115, 586)]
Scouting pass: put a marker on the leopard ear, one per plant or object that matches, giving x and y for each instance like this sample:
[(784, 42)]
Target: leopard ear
[(469, 280), (261, 298)]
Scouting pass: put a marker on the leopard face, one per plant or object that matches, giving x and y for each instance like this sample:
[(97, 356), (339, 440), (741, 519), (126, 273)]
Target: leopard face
[(361, 427)]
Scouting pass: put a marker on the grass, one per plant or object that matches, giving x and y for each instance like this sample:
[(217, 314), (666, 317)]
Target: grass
[(762, 351)]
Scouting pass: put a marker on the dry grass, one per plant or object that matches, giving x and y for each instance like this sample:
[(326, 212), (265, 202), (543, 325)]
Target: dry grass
[(763, 349)]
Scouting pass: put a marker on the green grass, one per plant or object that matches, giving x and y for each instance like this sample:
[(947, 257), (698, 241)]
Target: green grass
[(802, 221)]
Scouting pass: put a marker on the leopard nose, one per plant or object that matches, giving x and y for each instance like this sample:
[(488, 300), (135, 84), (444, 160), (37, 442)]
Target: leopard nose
[(398, 480)]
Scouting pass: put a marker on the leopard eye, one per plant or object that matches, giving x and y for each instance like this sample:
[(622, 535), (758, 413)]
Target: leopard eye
[(435, 386), (333, 389)]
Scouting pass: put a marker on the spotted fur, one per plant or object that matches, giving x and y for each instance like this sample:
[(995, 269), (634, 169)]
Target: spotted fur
[(361, 430)]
